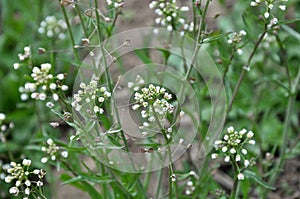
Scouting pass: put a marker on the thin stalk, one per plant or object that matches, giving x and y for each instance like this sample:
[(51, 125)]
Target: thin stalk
[(171, 172), (107, 75), (285, 136), (159, 183), (242, 75), (197, 47), (139, 184), (81, 20), (236, 184), (70, 33), (103, 185)]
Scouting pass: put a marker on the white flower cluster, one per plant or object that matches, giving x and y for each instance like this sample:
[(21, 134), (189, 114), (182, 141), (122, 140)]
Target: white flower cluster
[(43, 81), (235, 39), (22, 57), (4, 127), (55, 152), (269, 6), (53, 28), (21, 176), (90, 97), (154, 103), (190, 188), (232, 147), (136, 85), (116, 3), (170, 15)]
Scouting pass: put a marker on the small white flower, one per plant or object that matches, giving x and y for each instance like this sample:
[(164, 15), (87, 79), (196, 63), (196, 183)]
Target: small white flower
[(18, 183), (14, 190), (253, 3), (214, 156), (102, 89), (135, 107), (64, 154), (250, 134), (187, 192), (181, 114), (49, 141), (55, 97), (8, 179), (27, 183), (189, 183), (246, 163), (36, 171), (26, 162), (64, 87), (2, 116), (192, 173), (27, 191), (60, 76), (101, 99), (274, 21), (230, 129), (226, 137), (252, 142), (181, 141), (271, 6), (217, 142), (169, 28), (184, 8), (52, 86), (39, 183), (49, 104), (53, 157), (16, 66), (227, 159), (24, 97), (244, 151), (239, 51), (282, 7), (233, 151), (266, 15), (173, 177), (237, 158), (240, 176), (44, 160), (224, 149), (54, 124)]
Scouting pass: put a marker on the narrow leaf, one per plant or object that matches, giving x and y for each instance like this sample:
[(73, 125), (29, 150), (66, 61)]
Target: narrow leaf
[(254, 176)]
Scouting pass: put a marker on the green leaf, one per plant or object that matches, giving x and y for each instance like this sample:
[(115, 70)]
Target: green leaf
[(254, 176), (294, 152), (143, 56), (217, 37), (72, 180), (292, 32)]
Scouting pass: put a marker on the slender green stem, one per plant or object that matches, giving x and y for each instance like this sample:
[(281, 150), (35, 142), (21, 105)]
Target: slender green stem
[(81, 21), (107, 75), (171, 172), (242, 75), (285, 136), (199, 38), (139, 184), (70, 33), (158, 188), (236, 184), (103, 187)]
